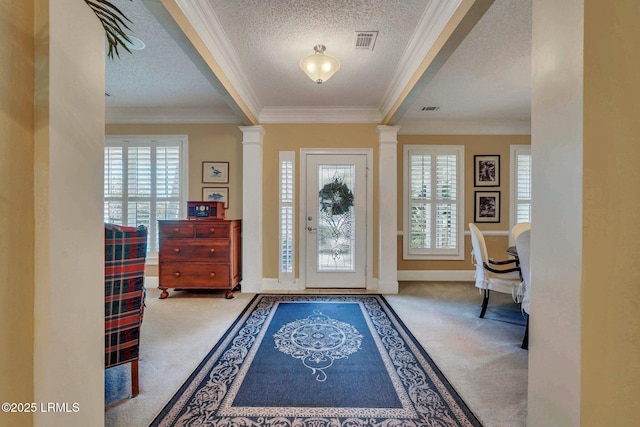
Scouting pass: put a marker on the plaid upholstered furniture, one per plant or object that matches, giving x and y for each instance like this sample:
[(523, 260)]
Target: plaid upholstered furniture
[(125, 251)]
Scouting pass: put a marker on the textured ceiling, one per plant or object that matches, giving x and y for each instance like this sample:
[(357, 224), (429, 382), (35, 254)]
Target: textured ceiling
[(259, 43), (488, 77), (150, 74), (160, 76), (270, 38)]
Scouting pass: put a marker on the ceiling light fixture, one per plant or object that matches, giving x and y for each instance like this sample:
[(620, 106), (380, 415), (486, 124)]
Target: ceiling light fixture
[(134, 43), (319, 66)]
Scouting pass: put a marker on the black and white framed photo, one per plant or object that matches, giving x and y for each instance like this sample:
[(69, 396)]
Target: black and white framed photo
[(487, 206), (215, 172), (486, 170), (216, 194)]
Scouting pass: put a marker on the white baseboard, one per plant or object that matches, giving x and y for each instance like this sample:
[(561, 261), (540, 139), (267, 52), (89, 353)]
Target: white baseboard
[(436, 275), (274, 285)]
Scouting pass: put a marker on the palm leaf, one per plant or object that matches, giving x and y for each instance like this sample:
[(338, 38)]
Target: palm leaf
[(114, 22)]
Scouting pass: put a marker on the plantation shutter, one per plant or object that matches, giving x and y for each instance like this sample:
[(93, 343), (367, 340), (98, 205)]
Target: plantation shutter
[(286, 273), (143, 182), (446, 206), (421, 189), (523, 188), (434, 200)]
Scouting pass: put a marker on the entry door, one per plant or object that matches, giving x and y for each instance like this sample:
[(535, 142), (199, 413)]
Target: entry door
[(336, 220)]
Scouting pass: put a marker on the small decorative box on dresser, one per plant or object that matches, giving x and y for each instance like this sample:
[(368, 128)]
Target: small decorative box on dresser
[(199, 254)]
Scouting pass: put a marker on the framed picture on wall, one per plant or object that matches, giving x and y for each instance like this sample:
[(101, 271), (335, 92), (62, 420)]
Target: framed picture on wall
[(215, 172), (216, 194), (487, 206), (486, 170)]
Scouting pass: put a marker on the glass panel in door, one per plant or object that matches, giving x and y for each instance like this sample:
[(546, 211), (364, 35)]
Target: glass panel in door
[(336, 225), (336, 218)]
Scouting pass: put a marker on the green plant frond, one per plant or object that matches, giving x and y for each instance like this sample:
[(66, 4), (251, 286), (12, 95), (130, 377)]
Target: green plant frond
[(113, 22), (113, 15), (108, 6), (110, 17), (114, 29)]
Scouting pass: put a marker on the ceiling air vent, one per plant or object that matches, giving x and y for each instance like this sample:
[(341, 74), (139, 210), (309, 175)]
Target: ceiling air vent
[(365, 40), (429, 108)]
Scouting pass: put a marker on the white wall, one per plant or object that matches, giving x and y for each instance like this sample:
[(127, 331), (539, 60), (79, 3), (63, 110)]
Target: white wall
[(556, 236), (69, 245)]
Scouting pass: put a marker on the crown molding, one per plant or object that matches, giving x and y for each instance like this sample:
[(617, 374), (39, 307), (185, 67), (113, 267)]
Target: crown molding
[(468, 127), (320, 115), (145, 115), (206, 24), (433, 20)]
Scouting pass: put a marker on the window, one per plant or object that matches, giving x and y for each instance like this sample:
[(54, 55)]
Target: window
[(144, 181), (433, 202), (286, 272), (520, 184)]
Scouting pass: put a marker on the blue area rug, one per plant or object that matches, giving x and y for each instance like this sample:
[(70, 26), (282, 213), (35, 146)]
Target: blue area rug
[(321, 361)]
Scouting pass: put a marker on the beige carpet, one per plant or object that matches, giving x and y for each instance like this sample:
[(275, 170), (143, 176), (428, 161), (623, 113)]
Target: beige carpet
[(481, 357)]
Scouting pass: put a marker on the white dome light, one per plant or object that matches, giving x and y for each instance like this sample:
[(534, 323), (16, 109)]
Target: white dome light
[(319, 66)]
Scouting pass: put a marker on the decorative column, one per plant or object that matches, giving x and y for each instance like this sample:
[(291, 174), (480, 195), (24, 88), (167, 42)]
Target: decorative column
[(252, 208), (388, 209)]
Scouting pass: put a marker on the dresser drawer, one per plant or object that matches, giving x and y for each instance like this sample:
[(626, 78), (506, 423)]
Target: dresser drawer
[(176, 275), (194, 250), (213, 230), (171, 230), (199, 254)]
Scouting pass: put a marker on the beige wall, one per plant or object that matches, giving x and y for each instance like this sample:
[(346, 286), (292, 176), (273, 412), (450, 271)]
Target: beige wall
[(291, 138), (473, 145), (611, 236), (16, 207)]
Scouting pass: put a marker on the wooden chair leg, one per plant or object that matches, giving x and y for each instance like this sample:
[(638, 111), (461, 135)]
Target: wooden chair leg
[(485, 303), (525, 339), (134, 379)]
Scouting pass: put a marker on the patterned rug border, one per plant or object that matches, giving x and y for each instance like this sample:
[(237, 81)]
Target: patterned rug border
[(464, 416)]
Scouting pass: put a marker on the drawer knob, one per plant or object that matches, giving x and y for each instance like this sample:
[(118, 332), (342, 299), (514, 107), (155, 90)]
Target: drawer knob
[(212, 250), (176, 250), (212, 230), (176, 229), (177, 274), (212, 275)]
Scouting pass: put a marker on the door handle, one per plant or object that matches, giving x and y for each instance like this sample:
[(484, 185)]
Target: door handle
[(311, 229)]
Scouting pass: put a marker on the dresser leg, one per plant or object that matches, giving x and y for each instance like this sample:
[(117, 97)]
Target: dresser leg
[(229, 295), (164, 293)]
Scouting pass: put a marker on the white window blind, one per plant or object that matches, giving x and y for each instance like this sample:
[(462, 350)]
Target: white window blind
[(521, 179), (433, 177), (144, 181), (287, 196)]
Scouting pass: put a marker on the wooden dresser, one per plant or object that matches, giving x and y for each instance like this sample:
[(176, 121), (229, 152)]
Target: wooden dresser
[(199, 254)]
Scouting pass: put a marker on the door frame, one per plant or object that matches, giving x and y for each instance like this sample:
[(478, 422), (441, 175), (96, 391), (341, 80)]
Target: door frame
[(302, 209)]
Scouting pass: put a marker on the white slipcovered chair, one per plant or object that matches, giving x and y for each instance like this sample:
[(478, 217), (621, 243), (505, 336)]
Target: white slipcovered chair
[(519, 228), (489, 278), (524, 255)]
